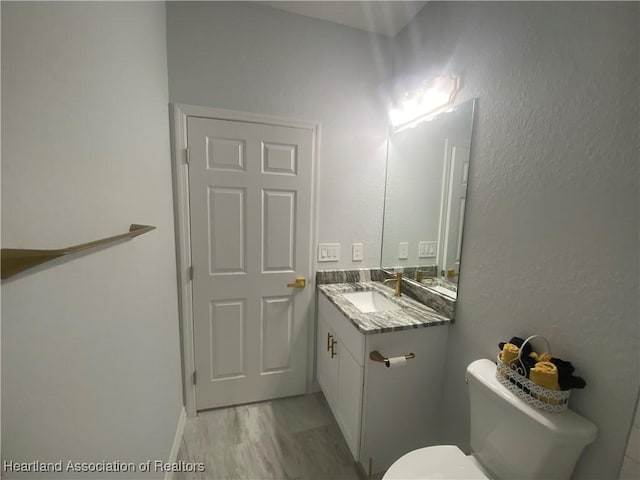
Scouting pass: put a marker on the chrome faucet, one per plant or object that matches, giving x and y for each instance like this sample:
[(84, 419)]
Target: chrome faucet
[(397, 277)]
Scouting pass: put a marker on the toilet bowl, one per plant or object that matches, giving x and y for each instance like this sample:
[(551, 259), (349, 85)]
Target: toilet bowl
[(509, 439)]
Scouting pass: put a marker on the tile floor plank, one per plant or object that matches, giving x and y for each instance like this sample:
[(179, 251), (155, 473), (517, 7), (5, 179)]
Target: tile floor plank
[(294, 438)]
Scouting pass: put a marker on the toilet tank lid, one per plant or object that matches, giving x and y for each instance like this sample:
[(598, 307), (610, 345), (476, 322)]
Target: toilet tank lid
[(567, 424)]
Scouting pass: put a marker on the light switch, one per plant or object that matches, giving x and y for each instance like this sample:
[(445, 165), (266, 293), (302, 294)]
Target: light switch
[(426, 249), (357, 251), (328, 252), (403, 250)]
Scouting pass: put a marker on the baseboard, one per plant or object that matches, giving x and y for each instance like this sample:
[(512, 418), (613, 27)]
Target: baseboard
[(315, 387), (177, 440)]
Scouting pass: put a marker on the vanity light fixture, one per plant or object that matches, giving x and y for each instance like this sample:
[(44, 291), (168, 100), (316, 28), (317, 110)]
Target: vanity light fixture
[(432, 97)]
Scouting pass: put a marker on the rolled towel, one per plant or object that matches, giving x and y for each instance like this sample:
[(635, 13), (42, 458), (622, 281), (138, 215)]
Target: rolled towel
[(509, 356), (542, 357), (566, 379), (545, 374), (517, 341), (509, 353)]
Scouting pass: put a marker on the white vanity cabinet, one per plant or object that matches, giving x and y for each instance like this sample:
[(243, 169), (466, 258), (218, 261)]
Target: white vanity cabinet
[(383, 412)]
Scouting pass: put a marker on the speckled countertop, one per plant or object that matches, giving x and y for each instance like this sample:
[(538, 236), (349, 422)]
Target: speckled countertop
[(411, 315)]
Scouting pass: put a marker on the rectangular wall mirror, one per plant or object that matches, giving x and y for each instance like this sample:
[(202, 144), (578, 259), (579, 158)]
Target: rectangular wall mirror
[(425, 196)]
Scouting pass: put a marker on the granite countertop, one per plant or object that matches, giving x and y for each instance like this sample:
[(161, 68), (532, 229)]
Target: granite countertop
[(412, 314)]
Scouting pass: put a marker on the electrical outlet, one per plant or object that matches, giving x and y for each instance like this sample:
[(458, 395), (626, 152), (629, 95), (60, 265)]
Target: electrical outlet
[(357, 252), (403, 250)]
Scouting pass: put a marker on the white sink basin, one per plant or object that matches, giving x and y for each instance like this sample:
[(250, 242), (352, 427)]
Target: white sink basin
[(443, 290), (371, 301)]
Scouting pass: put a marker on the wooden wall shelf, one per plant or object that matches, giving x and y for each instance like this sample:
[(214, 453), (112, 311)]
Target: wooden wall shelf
[(16, 260)]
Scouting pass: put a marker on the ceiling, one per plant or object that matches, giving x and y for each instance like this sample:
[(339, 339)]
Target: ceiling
[(385, 18)]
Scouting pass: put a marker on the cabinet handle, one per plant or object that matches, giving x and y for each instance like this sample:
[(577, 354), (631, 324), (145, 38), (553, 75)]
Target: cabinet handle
[(329, 337), (333, 352)]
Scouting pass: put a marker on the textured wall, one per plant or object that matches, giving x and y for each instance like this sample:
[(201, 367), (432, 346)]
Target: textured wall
[(551, 234), (247, 57), (90, 348)]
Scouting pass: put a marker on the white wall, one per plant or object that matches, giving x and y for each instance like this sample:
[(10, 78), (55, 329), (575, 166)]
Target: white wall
[(551, 233), (248, 57), (90, 349)]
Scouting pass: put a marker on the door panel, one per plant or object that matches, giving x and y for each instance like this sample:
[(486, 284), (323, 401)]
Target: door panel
[(226, 328), (225, 154), (278, 230), (250, 206), (279, 159), (227, 241), (276, 326)]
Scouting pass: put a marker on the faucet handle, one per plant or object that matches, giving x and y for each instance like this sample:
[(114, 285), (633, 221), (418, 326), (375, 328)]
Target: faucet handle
[(396, 277)]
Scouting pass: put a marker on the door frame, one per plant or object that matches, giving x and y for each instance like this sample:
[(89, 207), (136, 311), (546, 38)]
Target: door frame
[(182, 214)]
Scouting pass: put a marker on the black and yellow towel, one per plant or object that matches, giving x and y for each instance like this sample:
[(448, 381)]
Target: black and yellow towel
[(509, 353), (545, 374), (541, 368), (566, 379)]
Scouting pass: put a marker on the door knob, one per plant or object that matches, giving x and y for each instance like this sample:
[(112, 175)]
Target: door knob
[(300, 282)]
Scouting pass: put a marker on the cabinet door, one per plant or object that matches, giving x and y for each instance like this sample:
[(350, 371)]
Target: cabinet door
[(402, 406), (349, 407), (326, 367)]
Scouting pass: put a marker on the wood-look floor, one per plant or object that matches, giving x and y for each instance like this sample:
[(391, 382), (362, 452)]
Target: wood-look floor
[(287, 438)]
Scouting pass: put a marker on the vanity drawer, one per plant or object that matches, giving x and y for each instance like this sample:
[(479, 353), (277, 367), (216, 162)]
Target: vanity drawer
[(352, 339)]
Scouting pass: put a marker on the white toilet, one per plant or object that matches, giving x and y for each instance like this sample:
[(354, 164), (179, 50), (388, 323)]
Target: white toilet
[(509, 439)]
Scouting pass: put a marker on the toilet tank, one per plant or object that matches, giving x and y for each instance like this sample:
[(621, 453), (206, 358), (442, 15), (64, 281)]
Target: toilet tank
[(514, 440)]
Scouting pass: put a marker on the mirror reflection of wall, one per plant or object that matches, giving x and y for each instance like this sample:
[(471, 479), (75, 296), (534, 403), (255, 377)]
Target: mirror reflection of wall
[(427, 170)]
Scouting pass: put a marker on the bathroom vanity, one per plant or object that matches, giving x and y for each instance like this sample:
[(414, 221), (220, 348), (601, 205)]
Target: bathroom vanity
[(383, 412)]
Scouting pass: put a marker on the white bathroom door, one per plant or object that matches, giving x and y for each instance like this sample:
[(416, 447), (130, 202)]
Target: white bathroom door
[(456, 201), (250, 213)]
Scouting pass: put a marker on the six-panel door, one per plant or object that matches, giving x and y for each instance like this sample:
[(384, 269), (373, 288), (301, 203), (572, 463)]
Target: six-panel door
[(250, 204)]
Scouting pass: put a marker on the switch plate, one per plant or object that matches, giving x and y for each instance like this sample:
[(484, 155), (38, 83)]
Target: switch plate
[(426, 249), (328, 252), (357, 252), (403, 250)]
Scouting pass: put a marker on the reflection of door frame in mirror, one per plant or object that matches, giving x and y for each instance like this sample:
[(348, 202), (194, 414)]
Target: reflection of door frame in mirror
[(447, 244), (446, 204)]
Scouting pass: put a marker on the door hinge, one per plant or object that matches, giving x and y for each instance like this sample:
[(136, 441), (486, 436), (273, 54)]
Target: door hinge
[(187, 157), (190, 272), (194, 378)]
